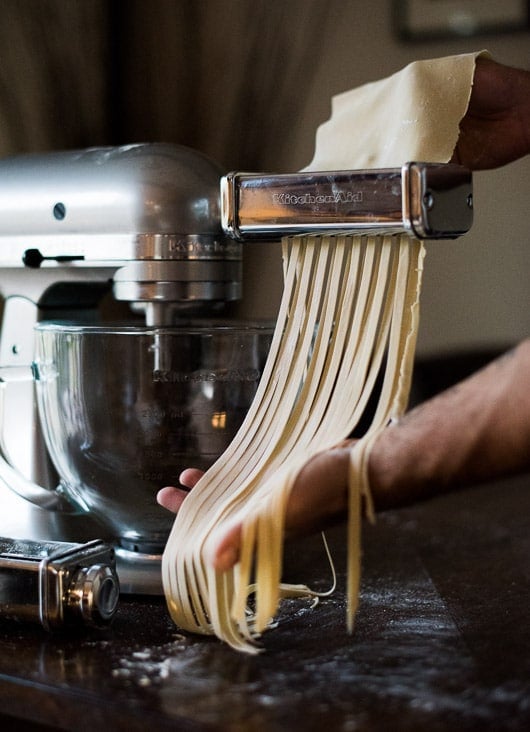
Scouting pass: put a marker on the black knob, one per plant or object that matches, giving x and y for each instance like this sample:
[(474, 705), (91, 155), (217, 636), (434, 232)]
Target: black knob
[(33, 258)]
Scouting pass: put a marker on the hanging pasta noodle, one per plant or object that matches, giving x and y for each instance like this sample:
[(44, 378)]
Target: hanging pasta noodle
[(349, 312)]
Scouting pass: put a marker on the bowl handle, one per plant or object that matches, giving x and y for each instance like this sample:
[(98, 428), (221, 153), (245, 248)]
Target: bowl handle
[(51, 500)]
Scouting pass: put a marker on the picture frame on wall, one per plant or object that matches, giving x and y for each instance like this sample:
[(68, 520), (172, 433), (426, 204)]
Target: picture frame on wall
[(419, 20)]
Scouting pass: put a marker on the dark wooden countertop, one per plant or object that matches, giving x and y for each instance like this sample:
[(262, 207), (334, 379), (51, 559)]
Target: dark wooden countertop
[(442, 642)]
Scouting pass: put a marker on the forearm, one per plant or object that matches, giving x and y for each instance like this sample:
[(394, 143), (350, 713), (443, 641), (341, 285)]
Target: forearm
[(476, 431)]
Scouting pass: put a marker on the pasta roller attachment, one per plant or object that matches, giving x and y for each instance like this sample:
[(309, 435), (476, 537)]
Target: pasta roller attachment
[(427, 200)]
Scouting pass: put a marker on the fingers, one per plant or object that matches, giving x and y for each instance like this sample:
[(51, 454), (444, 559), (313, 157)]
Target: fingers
[(190, 477), (171, 498), (226, 551)]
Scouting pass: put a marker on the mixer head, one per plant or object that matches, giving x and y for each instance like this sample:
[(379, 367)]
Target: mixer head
[(146, 216)]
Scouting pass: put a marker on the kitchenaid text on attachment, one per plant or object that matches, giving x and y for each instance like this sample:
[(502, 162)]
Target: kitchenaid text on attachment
[(429, 201)]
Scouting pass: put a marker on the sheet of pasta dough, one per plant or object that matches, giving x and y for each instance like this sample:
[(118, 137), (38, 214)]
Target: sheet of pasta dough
[(362, 295), (412, 115)]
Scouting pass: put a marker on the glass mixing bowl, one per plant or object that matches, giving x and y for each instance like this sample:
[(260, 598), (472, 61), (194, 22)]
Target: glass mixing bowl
[(125, 409)]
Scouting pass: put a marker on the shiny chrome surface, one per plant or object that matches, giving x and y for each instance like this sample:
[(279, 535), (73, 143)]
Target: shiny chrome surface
[(108, 207), (430, 201), (58, 584), (132, 190)]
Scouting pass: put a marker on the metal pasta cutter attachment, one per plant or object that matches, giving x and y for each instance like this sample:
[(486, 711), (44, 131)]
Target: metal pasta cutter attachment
[(427, 200)]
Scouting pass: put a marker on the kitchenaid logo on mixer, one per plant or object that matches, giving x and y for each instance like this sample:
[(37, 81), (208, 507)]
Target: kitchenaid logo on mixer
[(180, 377), (339, 197)]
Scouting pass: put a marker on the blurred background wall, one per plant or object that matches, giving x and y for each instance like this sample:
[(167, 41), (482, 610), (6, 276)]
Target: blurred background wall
[(248, 82)]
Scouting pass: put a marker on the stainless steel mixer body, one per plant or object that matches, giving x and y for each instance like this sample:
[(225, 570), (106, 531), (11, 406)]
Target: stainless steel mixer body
[(161, 228), (142, 222)]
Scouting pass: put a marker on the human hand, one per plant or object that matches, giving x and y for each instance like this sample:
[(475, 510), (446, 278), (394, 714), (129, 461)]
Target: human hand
[(172, 497), (496, 128), (318, 499)]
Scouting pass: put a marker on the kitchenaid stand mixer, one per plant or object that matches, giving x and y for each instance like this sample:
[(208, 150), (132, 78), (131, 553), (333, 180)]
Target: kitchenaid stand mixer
[(157, 227), (141, 220)]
